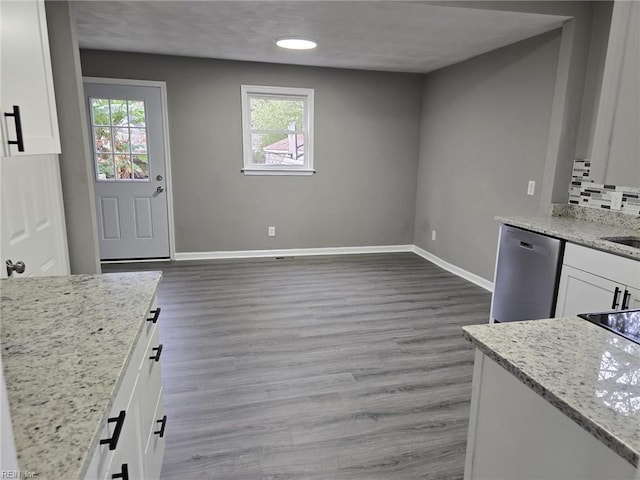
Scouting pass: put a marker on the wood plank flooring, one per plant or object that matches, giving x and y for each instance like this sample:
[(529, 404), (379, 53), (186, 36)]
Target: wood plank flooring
[(341, 367)]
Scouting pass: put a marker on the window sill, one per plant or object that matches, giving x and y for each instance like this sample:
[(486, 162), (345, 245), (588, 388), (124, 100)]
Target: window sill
[(278, 171)]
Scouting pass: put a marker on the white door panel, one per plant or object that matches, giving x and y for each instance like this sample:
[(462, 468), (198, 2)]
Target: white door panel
[(129, 164), (32, 216)]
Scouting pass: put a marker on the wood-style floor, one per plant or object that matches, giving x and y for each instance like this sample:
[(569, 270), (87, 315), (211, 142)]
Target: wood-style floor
[(342, 367)]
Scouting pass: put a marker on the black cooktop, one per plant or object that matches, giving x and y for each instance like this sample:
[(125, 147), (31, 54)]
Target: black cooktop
[(625, 323)]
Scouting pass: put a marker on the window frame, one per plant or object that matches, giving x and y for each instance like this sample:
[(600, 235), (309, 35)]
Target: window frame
[(304, 94)]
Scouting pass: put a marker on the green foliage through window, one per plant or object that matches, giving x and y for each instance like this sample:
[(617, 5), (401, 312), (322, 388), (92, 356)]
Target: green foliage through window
[(120, 129)]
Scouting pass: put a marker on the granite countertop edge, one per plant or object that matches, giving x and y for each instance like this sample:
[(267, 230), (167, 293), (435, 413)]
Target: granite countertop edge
[(601, 433), (578, 231)]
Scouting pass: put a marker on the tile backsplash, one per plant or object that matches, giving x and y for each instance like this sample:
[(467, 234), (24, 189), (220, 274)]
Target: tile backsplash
[(584, 192)]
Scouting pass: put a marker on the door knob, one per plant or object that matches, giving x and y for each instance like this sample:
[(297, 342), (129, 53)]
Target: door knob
[(18, 267), (160, 189)]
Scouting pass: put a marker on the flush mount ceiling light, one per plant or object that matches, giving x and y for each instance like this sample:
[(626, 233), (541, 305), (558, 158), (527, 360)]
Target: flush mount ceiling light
[(292, 43)]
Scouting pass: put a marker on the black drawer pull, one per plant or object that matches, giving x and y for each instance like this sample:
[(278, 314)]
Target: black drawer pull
[(124, 472), (113, 441), (616, 294), (156, 314), (625, 299), (158, 351), (19, 141), (164, 424)]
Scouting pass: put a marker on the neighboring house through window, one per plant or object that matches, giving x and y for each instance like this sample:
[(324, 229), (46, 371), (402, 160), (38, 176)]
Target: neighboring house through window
[(277, 129)]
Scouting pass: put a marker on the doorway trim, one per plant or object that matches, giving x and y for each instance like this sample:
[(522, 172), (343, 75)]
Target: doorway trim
[(165, 124)]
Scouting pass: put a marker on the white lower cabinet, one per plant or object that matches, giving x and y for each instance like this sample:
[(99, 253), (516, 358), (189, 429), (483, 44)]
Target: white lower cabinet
[(595, 281), (516, 434), (132, 440)]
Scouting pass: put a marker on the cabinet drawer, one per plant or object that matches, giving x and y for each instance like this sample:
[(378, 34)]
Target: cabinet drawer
[(155, 444), (606, 265), (150, 325), (128, 453), (150, 384)]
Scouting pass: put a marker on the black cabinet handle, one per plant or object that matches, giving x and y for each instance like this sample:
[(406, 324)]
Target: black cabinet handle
[(156, 314), (124, 472), (113, 441), (158, 351), (163, 423), (625, 299), (19, 141), (616, 294)]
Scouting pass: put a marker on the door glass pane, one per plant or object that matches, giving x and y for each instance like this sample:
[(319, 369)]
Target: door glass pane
[(136, 113), (102, 139), (100, 111), (138, 140), (119, 126), (121, 140), (119, 114), (123, 167), (105, 167), (140, 167)]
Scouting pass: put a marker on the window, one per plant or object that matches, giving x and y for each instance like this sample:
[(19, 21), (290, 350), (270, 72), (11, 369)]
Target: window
[(277, 130), (119, 140)]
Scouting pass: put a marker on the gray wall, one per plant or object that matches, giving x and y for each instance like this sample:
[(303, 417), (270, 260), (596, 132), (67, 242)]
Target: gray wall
[(485, 127), (75, 171), (593, 80), (367, 127)]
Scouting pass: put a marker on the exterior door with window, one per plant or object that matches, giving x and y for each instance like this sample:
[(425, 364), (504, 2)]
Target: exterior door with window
[(129, 163)]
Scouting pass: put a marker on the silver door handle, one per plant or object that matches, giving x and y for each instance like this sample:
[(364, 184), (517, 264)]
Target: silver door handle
[(18, 267), (160, 189)]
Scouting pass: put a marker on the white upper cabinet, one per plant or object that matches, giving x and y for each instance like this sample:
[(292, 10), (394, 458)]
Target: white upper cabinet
[(26, 81)]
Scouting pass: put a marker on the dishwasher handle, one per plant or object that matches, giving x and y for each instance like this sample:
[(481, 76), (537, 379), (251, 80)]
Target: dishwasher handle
[(528, 246)]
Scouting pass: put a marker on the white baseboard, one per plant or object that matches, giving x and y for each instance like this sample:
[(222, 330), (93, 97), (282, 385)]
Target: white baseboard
[(292, 252), (302, 252), (472, 277)]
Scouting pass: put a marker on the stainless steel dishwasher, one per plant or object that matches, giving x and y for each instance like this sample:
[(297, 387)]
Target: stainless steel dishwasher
[(527, 274)]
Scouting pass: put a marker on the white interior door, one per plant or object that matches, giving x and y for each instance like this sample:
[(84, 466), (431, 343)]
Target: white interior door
[(32, 227), (129, 163)]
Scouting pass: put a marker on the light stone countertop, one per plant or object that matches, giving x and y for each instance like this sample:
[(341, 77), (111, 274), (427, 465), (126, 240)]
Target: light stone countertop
[(579, 231), (588, 373), (66, 342)]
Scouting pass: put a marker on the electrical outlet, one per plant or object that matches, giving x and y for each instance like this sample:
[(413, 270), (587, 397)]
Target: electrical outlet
[(531, 188), (271, 231), (433, 235), (616, 200)]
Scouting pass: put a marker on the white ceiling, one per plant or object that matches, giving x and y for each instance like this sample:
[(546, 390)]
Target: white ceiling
[(407, 36)]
